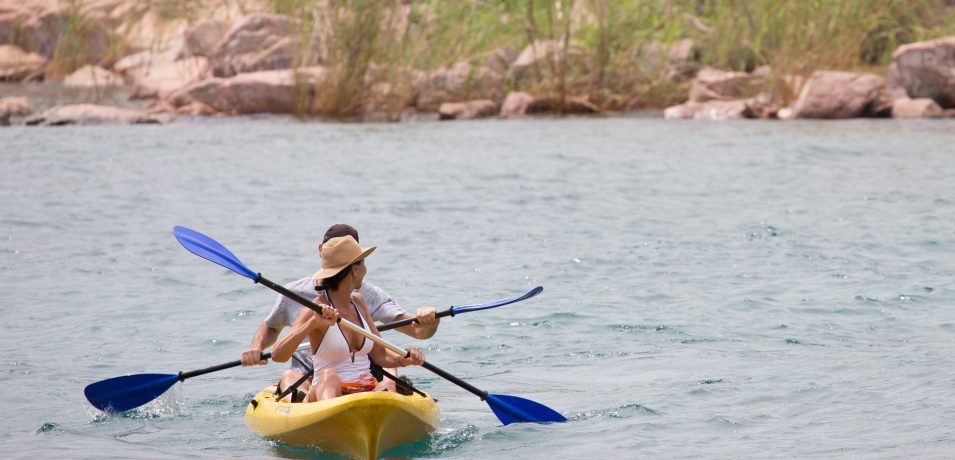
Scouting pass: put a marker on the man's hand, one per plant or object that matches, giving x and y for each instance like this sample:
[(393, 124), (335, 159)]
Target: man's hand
[(427, 316), (253, 356)]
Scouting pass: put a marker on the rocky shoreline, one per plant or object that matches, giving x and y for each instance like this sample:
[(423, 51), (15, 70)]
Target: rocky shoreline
[(259, 62)]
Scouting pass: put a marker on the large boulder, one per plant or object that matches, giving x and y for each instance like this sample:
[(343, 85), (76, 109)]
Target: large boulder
[(37, 26), (480, 108), (479, 78), (830, 94), (15, 106), (157, 73), (535, 61), (926, 70), (268, 91), (257, 42), (676, 61), (16, 64), (90, 76), (161, 79), (518, 104), (715, 84), (916, 108), (88, 114), (202, 37)]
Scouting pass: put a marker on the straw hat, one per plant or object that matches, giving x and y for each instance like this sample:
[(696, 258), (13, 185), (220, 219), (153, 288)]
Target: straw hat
[(339, 253)]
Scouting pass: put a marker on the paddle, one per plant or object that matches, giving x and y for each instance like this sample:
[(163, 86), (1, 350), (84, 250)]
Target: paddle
[(464, 309), (508, 409), (127, 392)]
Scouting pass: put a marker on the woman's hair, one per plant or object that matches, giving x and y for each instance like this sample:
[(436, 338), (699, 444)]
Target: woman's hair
[(330, 284)]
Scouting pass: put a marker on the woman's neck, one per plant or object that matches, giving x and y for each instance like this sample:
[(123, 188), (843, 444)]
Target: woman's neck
[(339, 296)]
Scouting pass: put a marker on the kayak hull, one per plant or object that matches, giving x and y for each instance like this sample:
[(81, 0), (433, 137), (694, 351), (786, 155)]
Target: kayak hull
[(361, 425)]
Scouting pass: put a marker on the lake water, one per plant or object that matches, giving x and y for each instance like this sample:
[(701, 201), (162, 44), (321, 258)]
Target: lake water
[(740, 289)]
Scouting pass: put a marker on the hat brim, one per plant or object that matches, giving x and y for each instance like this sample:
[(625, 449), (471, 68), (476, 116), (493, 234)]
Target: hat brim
[(328, 272)]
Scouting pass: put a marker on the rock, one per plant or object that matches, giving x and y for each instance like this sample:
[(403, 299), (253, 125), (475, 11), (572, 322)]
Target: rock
[(714, 84), (534, 62), (757, 107), (948, 113), (916, 108), (161, 79), (925, 70), (268, 91), (15, 106), (519, 104), (88, 114), (829, 94), (676, 61), (479, 78), (37, 26), (480, 108), (516, 104), (17, 65), (202, 37), (709, 110), (257, 42), (90, 76)]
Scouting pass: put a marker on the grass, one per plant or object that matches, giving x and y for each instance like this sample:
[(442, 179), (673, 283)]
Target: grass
[(375, 49)]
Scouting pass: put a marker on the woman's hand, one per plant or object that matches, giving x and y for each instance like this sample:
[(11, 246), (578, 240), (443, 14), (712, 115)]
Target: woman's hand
[(326, 319), (414, 358)]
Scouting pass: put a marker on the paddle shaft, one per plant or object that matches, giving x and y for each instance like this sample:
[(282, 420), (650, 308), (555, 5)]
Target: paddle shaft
[(407, 321), (348, 324), (198, 372)]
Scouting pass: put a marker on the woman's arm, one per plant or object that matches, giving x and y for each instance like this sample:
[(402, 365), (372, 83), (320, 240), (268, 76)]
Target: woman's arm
[(381, 355), (308, 324)]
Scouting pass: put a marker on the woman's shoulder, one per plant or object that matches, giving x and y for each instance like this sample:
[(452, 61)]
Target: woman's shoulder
[(357, 297)]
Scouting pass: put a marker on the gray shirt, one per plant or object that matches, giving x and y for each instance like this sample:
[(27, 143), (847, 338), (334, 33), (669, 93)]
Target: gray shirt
[(382, 307)]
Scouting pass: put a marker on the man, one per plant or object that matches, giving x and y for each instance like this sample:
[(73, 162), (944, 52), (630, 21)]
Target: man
[(382, 307)]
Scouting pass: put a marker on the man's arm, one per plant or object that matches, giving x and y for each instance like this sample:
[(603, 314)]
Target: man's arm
[(424, 327), (264, 337)]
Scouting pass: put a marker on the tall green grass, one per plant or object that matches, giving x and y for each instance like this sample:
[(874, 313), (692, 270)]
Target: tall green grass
[(374, 50)]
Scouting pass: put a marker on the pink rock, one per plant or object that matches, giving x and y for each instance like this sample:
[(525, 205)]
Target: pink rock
[(16, 64), (480, 108), (202, 37), (714, 84), (926, 70), (88, 114), (916, 108), (516, 105), (268, 91), (257, 42), (15, 106), (829, 94), (90, 76)]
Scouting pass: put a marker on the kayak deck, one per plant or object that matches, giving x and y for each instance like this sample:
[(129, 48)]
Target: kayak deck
[(361, 425)]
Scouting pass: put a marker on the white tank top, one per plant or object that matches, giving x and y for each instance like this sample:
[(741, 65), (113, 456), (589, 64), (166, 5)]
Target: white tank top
[(334, 352)]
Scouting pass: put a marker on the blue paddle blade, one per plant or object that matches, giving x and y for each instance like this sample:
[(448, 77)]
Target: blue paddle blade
[(211, 250), (120, 394), (484, 306), (511, 409)]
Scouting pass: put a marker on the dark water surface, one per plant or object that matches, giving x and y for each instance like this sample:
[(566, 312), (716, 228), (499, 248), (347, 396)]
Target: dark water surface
[(749, 290)]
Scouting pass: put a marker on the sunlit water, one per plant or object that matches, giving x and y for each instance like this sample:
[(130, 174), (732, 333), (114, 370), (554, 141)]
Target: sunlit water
[(749, 290)]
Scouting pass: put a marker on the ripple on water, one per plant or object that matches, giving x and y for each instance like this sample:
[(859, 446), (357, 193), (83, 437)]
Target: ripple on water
[(625, 411)]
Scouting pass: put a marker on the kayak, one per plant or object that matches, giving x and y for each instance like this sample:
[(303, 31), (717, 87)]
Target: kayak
[(360, 425)]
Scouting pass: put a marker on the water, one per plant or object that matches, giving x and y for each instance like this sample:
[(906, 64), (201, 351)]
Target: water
[(748, 290)]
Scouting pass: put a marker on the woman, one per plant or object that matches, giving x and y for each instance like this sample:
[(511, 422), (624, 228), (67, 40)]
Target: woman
[(341, 356)]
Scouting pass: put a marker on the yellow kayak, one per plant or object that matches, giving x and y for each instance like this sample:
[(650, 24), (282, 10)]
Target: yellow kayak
[(361, 424)]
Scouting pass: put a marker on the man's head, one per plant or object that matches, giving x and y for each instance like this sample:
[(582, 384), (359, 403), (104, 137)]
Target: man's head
[(336, 231)]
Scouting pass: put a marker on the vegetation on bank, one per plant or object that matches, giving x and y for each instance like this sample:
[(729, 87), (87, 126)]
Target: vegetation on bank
[(614, 52), (607, 46)]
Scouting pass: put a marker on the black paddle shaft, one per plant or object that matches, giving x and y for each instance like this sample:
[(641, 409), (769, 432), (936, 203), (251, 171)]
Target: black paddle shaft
[(407, 321), (186, 375), (317, 308)]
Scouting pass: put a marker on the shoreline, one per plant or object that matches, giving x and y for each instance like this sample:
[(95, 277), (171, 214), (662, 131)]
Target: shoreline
[(121, 61)]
